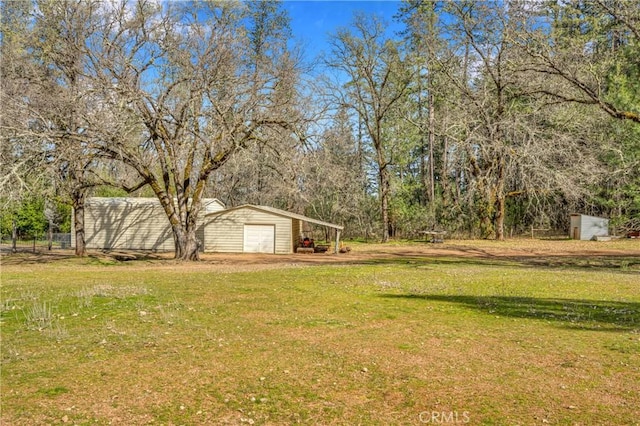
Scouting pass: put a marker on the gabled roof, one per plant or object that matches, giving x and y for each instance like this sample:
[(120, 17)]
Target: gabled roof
[(279, 212)]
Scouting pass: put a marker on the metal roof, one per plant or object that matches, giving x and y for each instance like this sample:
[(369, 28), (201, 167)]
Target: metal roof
[(280, 213), (139, 201)]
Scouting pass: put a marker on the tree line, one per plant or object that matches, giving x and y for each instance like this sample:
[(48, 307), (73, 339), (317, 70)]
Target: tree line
[(479, 118)]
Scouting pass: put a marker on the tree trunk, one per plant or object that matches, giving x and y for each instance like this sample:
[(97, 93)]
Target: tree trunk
[(458, 183), (500, 201), (78, 220), (14, 236), (499, 221), (50, 235), (486, 210), (385, 186), (424, 180), (432, 141), (486, 224), (186, 244), (444, 173), (183, 219)]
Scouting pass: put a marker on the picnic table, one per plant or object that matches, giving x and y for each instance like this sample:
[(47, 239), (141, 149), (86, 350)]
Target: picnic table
[(436, 236)]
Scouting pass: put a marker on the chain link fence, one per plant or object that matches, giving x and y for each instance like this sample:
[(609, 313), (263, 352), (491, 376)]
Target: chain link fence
[(36, 243)]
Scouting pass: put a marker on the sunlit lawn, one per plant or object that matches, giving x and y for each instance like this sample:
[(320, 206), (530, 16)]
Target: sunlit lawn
[(388, 342)]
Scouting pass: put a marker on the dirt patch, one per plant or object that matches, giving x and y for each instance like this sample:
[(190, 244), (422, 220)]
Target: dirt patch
[(532, 252)]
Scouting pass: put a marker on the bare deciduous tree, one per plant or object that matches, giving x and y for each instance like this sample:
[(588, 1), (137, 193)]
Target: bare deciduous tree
[(199, 89), (582, 51), (376, 79)]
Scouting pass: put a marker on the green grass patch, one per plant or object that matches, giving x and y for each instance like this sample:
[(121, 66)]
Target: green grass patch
[(52, 392), (388, 341)]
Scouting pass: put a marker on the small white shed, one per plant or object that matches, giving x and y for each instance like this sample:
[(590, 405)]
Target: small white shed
[(585, 227), (132, 223), (256, 229)]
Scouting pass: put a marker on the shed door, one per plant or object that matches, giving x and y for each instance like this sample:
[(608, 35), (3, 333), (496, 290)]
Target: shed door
[(259, 238)]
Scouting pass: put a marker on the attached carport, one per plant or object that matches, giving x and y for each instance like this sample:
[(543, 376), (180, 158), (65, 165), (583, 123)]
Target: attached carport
[(257, 229)]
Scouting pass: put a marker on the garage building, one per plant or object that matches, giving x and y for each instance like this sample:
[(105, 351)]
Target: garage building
[(142, 224), (257, 229)]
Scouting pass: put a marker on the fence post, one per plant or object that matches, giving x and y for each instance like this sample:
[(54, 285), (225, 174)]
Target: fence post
[(34, 243)]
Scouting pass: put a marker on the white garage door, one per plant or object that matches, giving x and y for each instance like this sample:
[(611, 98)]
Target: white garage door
[(259, 238)]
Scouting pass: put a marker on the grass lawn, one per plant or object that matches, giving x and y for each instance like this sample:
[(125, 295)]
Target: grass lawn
[(414, 339)]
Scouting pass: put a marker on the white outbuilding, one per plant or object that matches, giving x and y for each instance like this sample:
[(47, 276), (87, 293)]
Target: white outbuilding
[(585, 227), (132, 223), (257, 229), (142, 224)]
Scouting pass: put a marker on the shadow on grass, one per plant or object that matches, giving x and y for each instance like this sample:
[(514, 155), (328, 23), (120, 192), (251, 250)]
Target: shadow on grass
[(596, 315), (26, 257)]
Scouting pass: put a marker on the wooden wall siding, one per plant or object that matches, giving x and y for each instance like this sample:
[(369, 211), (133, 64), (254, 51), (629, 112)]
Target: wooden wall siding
[(133, 224), (224, 233)]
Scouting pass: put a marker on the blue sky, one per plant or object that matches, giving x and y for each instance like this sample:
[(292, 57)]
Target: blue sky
[(312, 21)]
